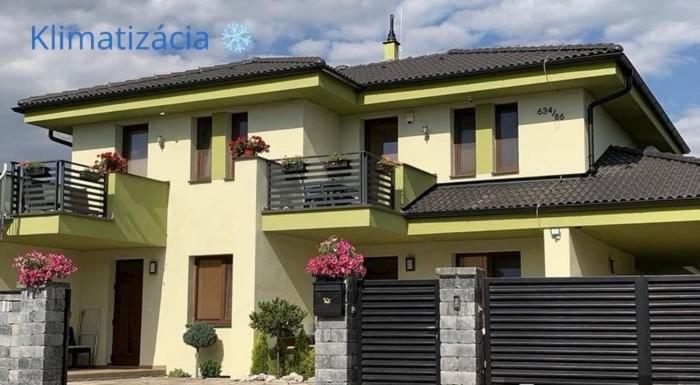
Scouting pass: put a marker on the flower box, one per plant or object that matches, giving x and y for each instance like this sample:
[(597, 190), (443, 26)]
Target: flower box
[(295, 168), (329, 297), (337, 164), (37, 172), (90, 175)]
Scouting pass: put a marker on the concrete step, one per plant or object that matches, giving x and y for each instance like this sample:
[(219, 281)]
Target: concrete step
[(114, 373)]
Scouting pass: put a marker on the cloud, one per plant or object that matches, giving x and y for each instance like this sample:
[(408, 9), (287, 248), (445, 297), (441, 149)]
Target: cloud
[(689, 126), (658, 39)]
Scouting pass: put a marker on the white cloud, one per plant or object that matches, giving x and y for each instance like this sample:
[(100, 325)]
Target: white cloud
[(689, 126)]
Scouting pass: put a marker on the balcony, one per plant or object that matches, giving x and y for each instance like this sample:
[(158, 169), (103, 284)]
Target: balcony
[(347, 195), (63, 204)]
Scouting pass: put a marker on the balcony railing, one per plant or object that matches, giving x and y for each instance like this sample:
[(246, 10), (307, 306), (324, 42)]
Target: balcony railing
[(319, 182), (58, 186)]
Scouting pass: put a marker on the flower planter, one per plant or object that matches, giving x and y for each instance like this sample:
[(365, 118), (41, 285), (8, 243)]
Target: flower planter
[(296, 168), (337, 164), (384, 169), (329, 297), (36, 172), (90, 175)]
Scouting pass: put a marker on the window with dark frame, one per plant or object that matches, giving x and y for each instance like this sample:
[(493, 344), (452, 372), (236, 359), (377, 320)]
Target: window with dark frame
[(239, 125), (464, 142), (496, 264), (382, 137), (201, 160), (506, 139), (135, 148), (211, 290)]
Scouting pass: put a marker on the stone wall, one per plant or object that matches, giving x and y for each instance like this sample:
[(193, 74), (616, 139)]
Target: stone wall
[(336, 344), (32, 334), (461, 326)]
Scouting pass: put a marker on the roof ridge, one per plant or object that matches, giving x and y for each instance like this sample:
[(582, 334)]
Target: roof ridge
[(534, 48), (654, 153)]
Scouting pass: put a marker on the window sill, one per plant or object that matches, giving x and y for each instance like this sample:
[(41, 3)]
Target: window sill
[(199, 181), (505, 172), (215, 325), (462, 176)]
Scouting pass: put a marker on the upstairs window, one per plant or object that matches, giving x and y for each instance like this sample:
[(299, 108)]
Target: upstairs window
[(211, 291), (201, 159), (464, 143), (506, 139), (135, 149), (239, 125)]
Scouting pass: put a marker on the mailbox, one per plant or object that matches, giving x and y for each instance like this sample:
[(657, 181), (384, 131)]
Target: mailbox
[(329, 298)]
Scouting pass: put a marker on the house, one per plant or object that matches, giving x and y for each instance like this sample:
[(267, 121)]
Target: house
[(545, 161)]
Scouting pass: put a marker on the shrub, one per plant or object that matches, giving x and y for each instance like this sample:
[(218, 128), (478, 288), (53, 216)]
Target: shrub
[(199, 336), (279, 319), (261, 353), (300, 356), (178, 373), (37, 269), (110, 162), (338, 259), (210, 369), (307, 366)]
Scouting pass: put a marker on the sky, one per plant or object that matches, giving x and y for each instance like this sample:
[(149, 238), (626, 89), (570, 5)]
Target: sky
[(663, 42)]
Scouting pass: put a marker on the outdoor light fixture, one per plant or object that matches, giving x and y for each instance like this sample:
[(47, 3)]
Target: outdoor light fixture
[(555, 233), (456, 303), (426, 133), (153, 267), (161, 141), (410, 117), (410, 263)]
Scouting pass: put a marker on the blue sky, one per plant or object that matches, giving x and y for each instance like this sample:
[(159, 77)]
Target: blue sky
[(662, 42)]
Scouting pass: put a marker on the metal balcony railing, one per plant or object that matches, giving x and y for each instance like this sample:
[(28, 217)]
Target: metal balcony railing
[(325, 181), (57, 186)]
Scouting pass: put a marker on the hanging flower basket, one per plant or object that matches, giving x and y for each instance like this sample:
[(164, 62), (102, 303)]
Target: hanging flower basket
[(336, 162), (293, 165)]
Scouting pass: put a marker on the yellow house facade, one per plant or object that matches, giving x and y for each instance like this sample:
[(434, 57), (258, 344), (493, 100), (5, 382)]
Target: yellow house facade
[(493, 153)]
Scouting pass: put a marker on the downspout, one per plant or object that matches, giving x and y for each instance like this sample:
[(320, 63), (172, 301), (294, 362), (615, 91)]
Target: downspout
[(59, 140), (589, 118)]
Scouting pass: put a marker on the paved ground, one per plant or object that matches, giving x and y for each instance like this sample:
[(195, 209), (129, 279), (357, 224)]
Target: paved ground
[(168, 381)]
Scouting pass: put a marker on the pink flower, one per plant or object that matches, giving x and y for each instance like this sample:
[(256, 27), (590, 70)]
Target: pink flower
[(36, 268), (337, 259)]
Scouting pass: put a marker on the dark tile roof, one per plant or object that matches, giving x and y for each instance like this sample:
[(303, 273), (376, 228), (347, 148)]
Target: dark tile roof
[(246, 69), (455, 62), (458, 62), (623, 176)]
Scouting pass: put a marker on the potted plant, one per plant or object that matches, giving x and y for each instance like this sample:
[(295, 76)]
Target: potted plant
[(337, 261), (245, 147), (386, 165), (293, 164), (34, 168), (336, 161), (107, 162), (36, 269)]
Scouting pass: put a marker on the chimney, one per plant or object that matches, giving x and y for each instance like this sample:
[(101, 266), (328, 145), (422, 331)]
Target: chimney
[(391, 45)]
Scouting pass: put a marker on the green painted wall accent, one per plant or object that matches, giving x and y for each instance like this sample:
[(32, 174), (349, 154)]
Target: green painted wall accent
[(409, 182), (484, 138), (219, 148)]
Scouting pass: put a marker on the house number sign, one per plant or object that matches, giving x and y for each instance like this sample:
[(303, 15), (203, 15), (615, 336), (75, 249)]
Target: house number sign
[(550, 111)]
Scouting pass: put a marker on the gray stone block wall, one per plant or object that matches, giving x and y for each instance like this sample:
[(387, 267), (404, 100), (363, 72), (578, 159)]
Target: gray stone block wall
[(32, 333), (461, 326), (336, 344)]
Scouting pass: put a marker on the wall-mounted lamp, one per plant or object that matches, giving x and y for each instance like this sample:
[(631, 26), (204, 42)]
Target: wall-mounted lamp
[(410, 117), (555, 233), (153, 267), (611, 263), (161, 141), (426, 133), (456, 303), (410, 263)]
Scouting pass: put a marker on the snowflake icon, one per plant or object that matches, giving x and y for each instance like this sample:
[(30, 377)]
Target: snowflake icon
[(236, 37)]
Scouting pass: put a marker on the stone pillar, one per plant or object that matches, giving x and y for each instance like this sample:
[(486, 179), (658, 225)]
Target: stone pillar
[(32, 335), (461, 325), (336, 343)]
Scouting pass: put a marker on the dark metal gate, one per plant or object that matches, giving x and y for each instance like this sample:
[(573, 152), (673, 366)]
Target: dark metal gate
[(610, 330), (399, 332)]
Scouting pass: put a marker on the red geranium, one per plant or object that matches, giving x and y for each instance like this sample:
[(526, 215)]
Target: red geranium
[(36, 268), (248, 146), (337, 259), (110, 162)]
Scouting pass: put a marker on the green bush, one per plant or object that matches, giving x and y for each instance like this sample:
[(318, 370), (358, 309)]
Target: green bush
[(178, 373), (199, 336), (210, 369), (278, 318), (307, 366), (301, 348), (261, 353)]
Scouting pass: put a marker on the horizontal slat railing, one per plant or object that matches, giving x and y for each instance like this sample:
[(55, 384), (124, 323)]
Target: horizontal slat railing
[(318, 183), (58, 186)]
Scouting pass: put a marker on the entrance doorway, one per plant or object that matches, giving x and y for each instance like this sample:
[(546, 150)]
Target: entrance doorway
[(126, 333), (382, 137)]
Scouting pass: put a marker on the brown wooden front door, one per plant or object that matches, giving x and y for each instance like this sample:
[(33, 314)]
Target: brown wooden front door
[(382, 268), (126, 334)]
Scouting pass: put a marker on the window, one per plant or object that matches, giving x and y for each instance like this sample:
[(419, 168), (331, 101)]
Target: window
[(135, 149), (382, 137), (506, 141), (201, 159), (239, 125), (382, 268), (211, 289), (464, 144), (498, 265)]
